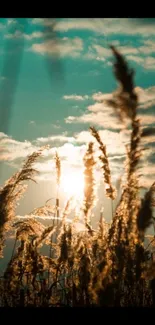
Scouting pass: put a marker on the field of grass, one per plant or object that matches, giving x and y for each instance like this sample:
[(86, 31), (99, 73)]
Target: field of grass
[(109, 266)]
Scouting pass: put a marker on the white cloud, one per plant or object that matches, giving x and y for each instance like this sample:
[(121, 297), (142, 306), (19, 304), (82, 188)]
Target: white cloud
[(37, 21), (63, 47), (71, 154), (101, 97), (11, 149), (102, 114), (18, 34), (147, 119), (147, 62), (137, 54), (102, 51), (76, 97), (148, 47), (146, 96), (11, 21), (98, 118), (56, 138), (105, 26), (115, 141), (3, 135), (98, 107), (32, 122)]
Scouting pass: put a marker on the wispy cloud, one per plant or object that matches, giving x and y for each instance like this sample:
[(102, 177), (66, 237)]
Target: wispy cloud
[(64, 47), (146, 97), (18, 34), (75, 97), (32, 122), (115, 141), (102, 114), (56, 138), (11, 149), (13, 152), (105, 26), (98, 119), (137, 54), (147, 62), (147, 119), (11, 21)]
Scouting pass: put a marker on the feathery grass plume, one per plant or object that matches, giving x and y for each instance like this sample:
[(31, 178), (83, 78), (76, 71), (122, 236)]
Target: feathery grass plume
[(14, 272), (66, 210), (64, 239), (132, 186), (12, 191), (133, 150), (44, 211), (125, 98), (58, 168), (110, 190), (123, 231), (85, 276), (103, 227), (58, 177), (29, 227), (89, 182), (145, 213), (45, 234)]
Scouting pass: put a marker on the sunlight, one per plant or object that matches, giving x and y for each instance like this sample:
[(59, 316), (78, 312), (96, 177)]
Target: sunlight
[(72, 183)]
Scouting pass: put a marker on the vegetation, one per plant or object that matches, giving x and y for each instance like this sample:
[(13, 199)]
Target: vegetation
[(107, 267)]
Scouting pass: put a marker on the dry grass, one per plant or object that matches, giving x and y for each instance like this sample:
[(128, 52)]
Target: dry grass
[(106, 267)]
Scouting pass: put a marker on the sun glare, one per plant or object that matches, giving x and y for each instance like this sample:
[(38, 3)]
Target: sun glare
[(72, 183)]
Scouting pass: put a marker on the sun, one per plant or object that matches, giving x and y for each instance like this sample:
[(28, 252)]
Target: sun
[(72, 183)]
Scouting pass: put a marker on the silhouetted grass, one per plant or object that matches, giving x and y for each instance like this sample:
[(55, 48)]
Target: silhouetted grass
[(107, 267)]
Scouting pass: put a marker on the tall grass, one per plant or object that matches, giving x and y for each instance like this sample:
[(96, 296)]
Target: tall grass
[(109, 266)]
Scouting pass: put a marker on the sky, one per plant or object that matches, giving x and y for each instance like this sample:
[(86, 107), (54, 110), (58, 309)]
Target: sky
[(54, 77)]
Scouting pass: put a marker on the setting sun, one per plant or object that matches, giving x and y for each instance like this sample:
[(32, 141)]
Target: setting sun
[(72, 183)]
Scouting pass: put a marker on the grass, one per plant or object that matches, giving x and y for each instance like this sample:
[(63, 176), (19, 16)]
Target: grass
[(109, 266)]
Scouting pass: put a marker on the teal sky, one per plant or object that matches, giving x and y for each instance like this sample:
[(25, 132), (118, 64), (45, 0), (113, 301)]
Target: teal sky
[(63, 73)]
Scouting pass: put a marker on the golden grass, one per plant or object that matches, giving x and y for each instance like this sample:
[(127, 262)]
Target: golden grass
[(106, 267)]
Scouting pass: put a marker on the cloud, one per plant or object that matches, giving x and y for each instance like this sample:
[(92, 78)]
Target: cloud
[(11, 21), (147, 62), (115, 141), (101, 97), (102, 51), (63, 47), (146, 119), (103, 115), (3, 135), (145, 171), (146, 96), (71, 153), (75, 97), (137, 54), (98, 118), (105, 26), (32, 122), (11, 149), (56, 138), (148, 47), (18, 34)]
